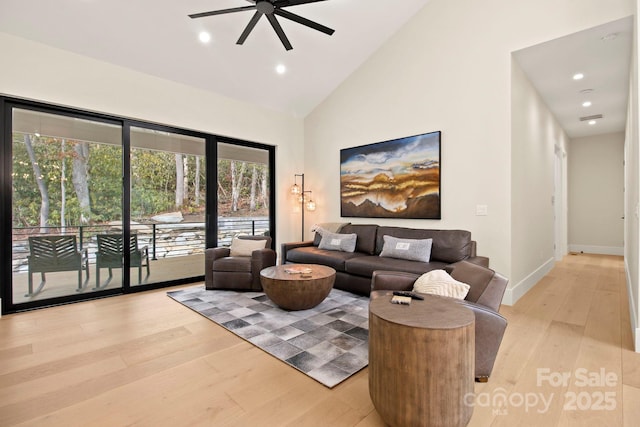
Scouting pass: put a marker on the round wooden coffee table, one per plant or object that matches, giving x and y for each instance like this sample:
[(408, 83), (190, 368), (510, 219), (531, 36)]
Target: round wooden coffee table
[(421, 360), (297, 291)]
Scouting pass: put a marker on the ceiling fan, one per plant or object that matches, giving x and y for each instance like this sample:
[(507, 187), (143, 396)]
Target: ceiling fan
[(270, 8)]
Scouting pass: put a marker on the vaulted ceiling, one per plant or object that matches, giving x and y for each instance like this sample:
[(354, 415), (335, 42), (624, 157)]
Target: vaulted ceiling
[(158, 38)]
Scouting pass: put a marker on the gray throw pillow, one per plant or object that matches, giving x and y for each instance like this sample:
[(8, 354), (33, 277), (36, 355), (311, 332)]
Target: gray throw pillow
[(409, 249), (338, 242)]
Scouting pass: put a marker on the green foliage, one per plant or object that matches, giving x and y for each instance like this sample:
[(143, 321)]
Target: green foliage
[(224, 186), (105, 183), (153, 182)]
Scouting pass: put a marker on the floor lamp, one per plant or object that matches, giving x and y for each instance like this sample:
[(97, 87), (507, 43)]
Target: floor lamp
[(300, 192)]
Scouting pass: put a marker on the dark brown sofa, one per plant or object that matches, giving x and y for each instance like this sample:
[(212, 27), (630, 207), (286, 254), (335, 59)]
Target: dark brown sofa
[(484, 299), (355, 269)]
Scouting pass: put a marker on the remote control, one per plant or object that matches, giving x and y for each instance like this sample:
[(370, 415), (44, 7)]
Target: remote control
[(409, 294)]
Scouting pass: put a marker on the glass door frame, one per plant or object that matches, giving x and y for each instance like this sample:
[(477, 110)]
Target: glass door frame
[(212, 202), (127, 201), (8, 104)]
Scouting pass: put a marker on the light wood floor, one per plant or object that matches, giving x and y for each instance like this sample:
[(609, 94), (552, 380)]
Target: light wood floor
[(146, 360)]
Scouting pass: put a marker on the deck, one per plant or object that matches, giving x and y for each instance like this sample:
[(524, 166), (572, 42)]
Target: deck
[(66, 282)]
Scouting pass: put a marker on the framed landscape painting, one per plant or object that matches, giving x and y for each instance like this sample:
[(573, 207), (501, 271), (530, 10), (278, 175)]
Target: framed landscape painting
[(392, 179)]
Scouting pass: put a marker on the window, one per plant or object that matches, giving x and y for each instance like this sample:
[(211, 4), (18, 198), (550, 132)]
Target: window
[(91, 196)]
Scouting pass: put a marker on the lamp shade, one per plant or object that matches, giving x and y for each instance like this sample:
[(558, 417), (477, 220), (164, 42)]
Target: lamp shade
[(295, 189), (311, 205)]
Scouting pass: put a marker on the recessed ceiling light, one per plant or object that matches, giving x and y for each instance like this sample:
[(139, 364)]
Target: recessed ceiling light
[(586, 104), (204, 37), (281, 69), (592, 122), (578, 76)]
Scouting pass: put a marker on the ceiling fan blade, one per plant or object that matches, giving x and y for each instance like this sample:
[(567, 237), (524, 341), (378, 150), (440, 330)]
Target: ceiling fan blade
[(304, 21), (278, 29), (285, 3), (252, 23), (221, 12)]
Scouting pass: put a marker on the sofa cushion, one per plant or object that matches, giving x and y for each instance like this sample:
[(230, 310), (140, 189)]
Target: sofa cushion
[(448, 245), (338, 241), (438, 282), (366, 265), (366, 242), (233, 264), (314, 255), (411, 249)]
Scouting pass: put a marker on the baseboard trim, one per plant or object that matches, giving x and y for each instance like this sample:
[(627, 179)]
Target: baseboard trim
[(600, 250), (513, 293), (633, 313)]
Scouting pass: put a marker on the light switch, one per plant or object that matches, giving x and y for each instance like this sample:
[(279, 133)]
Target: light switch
[(482, 210)]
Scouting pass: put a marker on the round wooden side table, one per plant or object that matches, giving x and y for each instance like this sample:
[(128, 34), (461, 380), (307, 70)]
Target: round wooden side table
[(297, 291), (421, 360)]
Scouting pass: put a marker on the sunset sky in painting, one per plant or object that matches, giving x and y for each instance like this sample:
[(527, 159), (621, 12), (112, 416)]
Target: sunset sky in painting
[(391, 157)]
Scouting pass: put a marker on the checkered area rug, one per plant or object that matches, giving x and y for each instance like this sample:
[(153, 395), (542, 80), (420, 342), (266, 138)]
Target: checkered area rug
[(329, 342)]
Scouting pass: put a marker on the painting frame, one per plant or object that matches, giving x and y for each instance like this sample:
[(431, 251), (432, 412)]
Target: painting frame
[(398, 178)]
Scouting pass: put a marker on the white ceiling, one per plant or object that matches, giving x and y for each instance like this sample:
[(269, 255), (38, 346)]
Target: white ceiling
[(158, 38), (603, 60)]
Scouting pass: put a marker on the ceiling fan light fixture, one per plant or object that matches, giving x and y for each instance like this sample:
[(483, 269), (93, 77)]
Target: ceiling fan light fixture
[(270, 9), (265, 7)]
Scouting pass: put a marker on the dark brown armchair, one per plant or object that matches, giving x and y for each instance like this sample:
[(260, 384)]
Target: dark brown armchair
[(484, 299), (242, 273)]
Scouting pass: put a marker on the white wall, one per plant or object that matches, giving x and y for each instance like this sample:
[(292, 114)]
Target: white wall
[(535, 134), (632, 190), (596, 194), (35, 71), (449, 69)]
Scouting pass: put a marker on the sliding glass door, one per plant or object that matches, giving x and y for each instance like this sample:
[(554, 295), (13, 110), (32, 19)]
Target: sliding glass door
[(66, 175), (244, 191), (168, 202), (95, 205)]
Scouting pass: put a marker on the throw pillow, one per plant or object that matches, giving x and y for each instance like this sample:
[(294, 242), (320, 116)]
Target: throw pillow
[(332, 227), (244, 247), (338, 242), (410, 249), (439, 282)]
